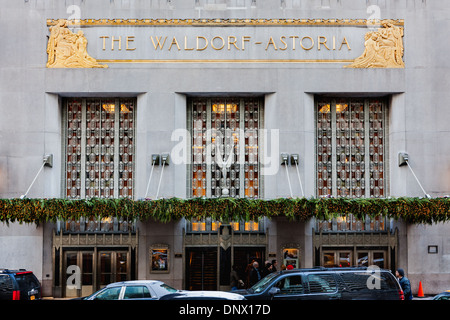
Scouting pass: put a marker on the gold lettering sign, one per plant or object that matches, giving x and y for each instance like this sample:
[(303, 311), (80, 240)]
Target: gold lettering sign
[(66, 49), (383, 48)]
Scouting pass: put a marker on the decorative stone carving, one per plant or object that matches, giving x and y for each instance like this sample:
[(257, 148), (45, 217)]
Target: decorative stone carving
[(101, 239), (383, 48), (66, 49), (225, 237)]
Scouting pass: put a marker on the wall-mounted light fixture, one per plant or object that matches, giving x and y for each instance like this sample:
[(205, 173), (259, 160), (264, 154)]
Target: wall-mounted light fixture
[(155, 159), (165, 159), (295, 160), (285, 162), (164, 162), (285, 159), (155, 162), (47, 161), (403, 159)]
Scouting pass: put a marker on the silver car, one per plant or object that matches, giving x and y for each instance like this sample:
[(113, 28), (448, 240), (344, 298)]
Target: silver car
[(154, 290)]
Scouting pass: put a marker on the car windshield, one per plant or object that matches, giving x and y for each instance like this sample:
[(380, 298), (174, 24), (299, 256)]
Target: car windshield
[(263, 283), (169, 289)]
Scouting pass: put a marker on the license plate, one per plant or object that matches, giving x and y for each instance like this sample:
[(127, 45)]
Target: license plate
[(32, 297)]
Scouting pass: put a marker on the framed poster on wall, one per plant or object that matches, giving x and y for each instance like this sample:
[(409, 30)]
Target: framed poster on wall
[(290, 257), (159, 259)]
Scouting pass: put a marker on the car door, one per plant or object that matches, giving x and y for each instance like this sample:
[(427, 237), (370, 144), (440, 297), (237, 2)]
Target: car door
[(289, 288), (321, 286)]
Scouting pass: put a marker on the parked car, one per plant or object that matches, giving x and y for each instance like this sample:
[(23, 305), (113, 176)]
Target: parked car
[(132, 290), (326, 284), (203, 295), (154, 290), (442, 296), (19, 285)]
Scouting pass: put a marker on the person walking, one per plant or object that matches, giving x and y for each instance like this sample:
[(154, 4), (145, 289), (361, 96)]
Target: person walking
[(274, 265), (404, 283), (267, 269), (235, 282), (255, 274), (248, 271)]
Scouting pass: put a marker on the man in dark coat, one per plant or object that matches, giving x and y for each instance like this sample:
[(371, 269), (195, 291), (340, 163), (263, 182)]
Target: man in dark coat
[(255, 274), (404, 283)]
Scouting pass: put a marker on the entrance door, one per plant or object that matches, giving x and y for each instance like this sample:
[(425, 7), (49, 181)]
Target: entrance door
[(349, 258), (337, 258), (244, 256), (201, 268), (112, 267), (78, 266), (368, 258)]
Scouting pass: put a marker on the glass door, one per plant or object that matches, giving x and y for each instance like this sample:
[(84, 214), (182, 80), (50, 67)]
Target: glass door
[(345, 259), (379, 258), (105, 269), (87, 273), (337, 258), (70, 285), (362, 259), (201, 268), (79, 267), (112, 267), (368, 258), (121, 266)]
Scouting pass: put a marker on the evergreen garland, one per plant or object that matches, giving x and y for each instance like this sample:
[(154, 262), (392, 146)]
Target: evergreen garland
[(410, 210)]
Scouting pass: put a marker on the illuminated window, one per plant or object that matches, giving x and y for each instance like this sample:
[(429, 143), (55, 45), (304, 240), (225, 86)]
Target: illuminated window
[(251, 226), (351, 147), (99, 148), (198, 226), (351, 223), (225, 153), (209, 225)]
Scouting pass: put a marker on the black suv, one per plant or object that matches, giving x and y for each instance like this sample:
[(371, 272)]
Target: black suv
[(19, 285), (327, 284)]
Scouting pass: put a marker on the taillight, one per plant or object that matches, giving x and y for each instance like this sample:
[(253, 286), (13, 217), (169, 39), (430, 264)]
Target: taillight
[(16, 295), (401, 295)]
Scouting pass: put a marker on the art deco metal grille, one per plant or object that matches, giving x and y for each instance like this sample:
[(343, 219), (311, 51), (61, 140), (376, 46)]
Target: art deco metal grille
[(351, 147), (225, 156), (73, 149), (99, 148), (198, 149)]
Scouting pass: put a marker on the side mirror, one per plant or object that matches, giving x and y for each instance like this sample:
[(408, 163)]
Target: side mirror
[(274, 290)]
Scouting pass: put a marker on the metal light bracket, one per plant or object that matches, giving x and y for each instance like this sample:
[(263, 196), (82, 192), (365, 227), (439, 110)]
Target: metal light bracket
[(165, 159), (403, 158), (155, 159), (285, 159), (48, 160)]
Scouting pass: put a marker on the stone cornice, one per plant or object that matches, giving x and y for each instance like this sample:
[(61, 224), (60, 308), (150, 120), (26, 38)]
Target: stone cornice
[(225, 22)]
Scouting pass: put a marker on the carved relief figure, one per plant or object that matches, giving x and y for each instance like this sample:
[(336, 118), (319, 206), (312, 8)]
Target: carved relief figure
[(383, 48), (66, 49)]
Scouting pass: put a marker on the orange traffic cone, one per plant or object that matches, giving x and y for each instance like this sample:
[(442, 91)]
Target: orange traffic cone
[(420, 293)]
